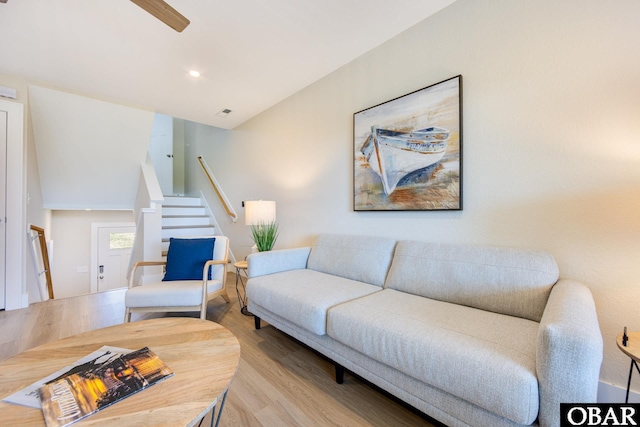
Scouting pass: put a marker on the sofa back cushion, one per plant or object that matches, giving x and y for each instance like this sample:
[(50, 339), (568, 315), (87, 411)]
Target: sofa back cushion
[(361, 258), (509, 281)]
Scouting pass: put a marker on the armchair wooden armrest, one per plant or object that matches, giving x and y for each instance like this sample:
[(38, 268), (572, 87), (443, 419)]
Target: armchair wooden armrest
[(132, 274), (205, 271)]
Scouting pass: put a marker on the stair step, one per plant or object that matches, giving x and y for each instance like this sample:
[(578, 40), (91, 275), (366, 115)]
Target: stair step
[(181, 201), (185, 216), (179, 227), (183, 211), (185, 220), (190, 231)]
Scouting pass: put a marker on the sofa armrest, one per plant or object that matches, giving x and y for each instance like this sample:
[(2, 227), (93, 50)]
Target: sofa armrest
[(569, 350), (269, 262)]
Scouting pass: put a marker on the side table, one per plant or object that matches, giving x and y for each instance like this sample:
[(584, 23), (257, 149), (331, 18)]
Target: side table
[(632, 349), (240, 286)]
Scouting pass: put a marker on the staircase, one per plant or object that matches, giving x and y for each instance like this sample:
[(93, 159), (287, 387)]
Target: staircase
[(184, 217)]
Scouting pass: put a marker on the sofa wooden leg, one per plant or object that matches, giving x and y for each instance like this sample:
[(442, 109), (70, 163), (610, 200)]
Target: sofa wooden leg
[(256, 320), (339, 374)]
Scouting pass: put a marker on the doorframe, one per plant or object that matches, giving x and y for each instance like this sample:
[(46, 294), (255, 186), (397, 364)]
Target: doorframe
[(93, 270), (16, 232)]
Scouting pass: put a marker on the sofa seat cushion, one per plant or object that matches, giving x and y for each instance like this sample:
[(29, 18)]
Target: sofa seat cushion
[(304, 296), (485, 358), (184, 293)]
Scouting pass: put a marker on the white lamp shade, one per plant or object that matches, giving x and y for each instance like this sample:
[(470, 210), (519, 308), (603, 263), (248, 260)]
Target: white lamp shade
[(259, 212)]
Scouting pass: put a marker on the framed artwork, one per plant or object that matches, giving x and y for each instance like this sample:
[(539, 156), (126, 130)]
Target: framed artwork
[(408, 151)]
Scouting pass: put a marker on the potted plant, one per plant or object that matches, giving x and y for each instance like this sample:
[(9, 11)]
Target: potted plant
[(264, 235)]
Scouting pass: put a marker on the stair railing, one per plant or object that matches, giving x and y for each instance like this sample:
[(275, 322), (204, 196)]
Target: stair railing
[(216, 187), (40, 255)]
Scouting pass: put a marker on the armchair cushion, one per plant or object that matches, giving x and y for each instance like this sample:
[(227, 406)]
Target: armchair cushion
[(169, 294), (186, 258)]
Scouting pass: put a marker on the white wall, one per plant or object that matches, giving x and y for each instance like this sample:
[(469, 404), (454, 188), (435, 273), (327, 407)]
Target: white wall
[(71, 235), (551, 104), (101, 141)]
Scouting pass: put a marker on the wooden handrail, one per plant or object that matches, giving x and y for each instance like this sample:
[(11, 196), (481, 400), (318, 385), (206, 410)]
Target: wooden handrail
[(225, 204)]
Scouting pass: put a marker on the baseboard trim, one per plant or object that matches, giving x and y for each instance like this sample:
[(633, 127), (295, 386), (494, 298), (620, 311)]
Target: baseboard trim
[(609, 393)]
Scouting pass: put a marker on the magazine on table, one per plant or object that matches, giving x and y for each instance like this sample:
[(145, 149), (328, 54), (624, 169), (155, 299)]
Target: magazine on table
[(72, 397), (29, 395)]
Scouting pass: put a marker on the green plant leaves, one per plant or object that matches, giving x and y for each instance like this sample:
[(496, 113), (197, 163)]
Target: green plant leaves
[(264, 235)]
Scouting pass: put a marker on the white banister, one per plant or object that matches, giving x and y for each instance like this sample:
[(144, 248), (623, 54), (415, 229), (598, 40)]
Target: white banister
[(148, 213), (149, 191)]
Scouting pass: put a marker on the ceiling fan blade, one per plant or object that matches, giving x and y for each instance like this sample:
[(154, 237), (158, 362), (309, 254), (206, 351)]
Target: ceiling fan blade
[(161, 10), (3, 1)]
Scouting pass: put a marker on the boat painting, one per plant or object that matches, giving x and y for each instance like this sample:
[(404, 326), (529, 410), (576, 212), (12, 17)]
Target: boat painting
[(407, 152), (394, 155)]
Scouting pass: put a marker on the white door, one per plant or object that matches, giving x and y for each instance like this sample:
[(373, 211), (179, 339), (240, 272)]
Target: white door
[(114, 252), (161, 151), (3, 202)]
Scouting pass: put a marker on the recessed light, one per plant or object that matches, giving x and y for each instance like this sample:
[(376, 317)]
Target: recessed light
[(194, 73)]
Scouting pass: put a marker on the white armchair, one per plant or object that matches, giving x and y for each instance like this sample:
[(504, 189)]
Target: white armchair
[(187, 284)]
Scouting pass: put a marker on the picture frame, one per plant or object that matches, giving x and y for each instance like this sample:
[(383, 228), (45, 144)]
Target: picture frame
[(408, 151)]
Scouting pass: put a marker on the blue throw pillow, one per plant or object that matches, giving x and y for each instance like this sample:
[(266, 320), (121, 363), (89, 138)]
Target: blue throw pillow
[(186, 258)]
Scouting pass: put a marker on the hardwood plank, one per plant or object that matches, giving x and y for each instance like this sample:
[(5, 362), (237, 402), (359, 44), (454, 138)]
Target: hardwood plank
[(279, 381)]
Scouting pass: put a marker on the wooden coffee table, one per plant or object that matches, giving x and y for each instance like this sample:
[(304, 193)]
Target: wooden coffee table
[(203, 355)]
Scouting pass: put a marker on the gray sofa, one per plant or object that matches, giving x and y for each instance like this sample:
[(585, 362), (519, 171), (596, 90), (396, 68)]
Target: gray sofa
[(471, 336)]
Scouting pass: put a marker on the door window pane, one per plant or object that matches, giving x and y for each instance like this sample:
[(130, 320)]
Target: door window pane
[(121, 240)]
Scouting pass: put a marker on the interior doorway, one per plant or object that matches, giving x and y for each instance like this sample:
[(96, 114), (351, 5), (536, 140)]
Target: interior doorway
[(161, 151), (112, 245)]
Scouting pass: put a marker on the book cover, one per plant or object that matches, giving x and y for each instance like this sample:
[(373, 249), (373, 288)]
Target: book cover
[(83, 392), (29, 395)]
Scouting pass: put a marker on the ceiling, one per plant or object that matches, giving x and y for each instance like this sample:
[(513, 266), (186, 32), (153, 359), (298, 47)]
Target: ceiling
[(251, 53)]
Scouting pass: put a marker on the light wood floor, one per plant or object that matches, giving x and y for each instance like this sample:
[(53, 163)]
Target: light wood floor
[(279, 381)]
